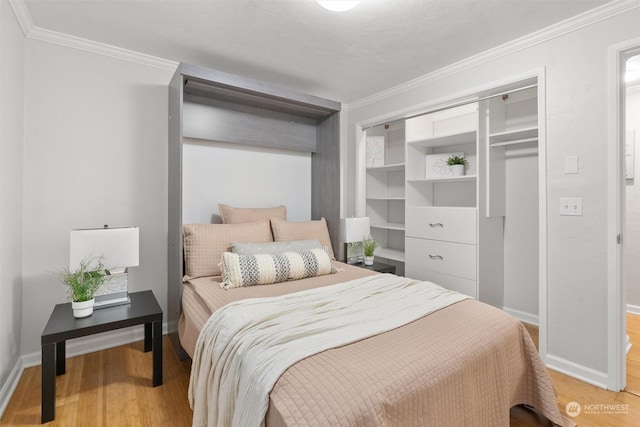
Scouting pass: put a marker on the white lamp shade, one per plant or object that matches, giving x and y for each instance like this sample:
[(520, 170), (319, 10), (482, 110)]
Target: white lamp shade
[(118, 247), (354, 229)]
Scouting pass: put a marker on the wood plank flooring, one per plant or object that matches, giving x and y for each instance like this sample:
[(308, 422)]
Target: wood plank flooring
[(113, 388)]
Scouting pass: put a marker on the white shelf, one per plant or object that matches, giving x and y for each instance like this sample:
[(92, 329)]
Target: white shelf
[(394, 254), (385, 198), (398, 167), (468, 137), (513, 136), (389, 226), (463, 178)]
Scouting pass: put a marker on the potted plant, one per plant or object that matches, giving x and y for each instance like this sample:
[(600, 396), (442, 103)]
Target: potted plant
[(456, 164), (83, 284), (369, 245)]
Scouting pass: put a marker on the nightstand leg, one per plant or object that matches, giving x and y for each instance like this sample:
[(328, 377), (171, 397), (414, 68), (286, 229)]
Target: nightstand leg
[(61, 357), (48, 383), (148, 333), (157, 353)]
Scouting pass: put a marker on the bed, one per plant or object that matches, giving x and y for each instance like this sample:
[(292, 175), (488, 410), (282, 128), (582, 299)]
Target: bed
[(464, 364)]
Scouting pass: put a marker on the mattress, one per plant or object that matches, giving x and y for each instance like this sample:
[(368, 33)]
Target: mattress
[(466, 364)]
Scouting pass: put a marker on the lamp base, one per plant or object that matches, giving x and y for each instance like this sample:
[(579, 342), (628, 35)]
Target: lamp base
[(114, 291)]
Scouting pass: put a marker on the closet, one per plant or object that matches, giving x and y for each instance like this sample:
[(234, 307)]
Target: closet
[(476, 233)]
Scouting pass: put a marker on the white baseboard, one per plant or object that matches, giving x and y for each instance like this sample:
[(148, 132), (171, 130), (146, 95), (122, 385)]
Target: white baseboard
[(96, 342), (633, 309), (522, 316), (10, 385), (579, 372)]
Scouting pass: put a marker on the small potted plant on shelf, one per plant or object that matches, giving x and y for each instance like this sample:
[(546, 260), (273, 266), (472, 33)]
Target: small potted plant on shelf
[(83, 284), (369, 245), (456, 164)]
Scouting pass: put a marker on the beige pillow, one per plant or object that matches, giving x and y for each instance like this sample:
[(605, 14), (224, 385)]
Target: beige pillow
[(285, 230), (231, 215), (205, 243)]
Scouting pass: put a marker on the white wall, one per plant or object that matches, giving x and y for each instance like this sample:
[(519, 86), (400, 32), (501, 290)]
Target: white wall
[(632, 224), (521, 258), (243, 176), (95, 153), (12, 51), (576, 124)]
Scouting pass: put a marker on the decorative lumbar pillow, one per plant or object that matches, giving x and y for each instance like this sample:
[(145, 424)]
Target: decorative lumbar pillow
[(205, 243), (265, 269), (274, 247), (285, 231), (231, 215)]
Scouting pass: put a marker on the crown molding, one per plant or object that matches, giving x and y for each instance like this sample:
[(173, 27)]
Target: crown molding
[(559, 29), (101, 48), (22, 14), (36, 33)]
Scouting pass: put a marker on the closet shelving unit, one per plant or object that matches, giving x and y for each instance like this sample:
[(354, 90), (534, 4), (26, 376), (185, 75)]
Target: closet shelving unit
[(385, 195), (442, 224)]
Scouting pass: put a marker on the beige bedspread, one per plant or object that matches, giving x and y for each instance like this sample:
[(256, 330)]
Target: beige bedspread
[(465, 365)]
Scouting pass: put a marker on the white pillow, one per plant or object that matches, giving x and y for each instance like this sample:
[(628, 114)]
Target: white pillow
[(274, 247)]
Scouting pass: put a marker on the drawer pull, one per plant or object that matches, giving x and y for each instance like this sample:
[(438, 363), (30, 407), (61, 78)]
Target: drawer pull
[(440, 257), (436, 225)]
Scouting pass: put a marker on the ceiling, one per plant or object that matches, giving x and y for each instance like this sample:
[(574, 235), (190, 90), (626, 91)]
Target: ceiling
[(295, 43)]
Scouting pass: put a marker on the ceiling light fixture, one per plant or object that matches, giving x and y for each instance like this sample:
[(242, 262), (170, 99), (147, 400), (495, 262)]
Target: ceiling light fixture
[(338, 5)]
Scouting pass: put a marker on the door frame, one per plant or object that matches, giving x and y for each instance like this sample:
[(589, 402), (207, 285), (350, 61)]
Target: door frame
[(616, 307)]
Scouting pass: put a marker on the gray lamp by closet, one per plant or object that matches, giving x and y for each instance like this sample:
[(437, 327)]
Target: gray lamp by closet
[(119, 250), (352, 232)]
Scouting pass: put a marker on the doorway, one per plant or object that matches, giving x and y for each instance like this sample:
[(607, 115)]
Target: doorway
[(618, 343), (631, 246)]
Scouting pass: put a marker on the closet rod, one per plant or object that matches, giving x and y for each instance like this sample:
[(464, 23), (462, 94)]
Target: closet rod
[(515, 141), (453, 105)]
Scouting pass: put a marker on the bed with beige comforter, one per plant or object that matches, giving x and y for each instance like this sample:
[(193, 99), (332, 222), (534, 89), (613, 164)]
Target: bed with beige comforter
[(465, 364)]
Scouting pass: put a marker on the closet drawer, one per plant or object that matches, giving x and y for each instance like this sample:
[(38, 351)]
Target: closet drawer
[(448, 224), (458, 284), (456, 259)]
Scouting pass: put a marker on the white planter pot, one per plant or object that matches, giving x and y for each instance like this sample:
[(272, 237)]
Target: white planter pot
[(368, 260), (457, 170), (83, 308)]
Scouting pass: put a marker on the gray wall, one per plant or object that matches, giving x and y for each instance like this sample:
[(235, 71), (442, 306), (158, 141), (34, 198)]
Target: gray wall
[(576, 124), (95, 153), (12, 51)]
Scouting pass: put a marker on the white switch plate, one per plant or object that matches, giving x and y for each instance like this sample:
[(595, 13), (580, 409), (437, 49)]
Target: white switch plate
[(571, 206), (570, 164)]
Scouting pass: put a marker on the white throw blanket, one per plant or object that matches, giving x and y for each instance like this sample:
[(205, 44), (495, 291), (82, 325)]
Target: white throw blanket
[(247, 345)]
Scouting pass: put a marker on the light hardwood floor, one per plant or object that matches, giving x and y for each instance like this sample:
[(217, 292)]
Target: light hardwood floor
[(113, 388)]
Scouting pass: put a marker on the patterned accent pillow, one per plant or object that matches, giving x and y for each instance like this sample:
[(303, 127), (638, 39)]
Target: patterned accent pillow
[(265, 269), (274, 247)]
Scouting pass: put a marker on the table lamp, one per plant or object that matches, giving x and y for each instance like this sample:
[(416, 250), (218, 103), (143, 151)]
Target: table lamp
[(118, 249), (352, 232)]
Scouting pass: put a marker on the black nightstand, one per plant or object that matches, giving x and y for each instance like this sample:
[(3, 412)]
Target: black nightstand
[(62, 326), (380, 267)]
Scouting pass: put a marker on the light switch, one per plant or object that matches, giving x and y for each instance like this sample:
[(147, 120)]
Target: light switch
[(571, 206), (570, 164)]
